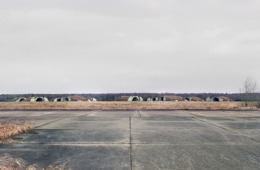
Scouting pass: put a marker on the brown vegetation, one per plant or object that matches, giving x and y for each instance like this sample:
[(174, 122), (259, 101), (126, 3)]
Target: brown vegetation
[(7, 162), (124, 105), (122, 98), (196, 99), (12, 128), (225, 98), (174, 98), (77, 98)]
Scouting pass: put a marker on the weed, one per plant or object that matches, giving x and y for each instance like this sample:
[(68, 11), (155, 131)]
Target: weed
[(16, 138), (32, 132)]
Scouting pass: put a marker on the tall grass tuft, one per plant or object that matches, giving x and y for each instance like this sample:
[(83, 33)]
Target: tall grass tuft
[(14, 127)]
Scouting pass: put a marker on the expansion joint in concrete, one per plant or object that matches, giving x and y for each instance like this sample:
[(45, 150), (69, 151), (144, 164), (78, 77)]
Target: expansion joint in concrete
[(139, 113), (130, 142), (50, 122)]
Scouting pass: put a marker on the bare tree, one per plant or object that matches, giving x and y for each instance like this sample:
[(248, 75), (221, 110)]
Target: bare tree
[(249, 87)]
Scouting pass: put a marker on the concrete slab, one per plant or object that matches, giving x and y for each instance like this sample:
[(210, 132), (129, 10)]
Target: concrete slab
[(138, 139), (189, 136), (196, 157), (73, 156), (68, 136)]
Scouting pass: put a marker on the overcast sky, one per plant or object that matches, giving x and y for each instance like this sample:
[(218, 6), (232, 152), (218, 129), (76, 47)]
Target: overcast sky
[(99, 46)]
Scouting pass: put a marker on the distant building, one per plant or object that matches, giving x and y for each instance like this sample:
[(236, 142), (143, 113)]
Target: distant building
[(130, 98), (20, 99), (38, 99), (62, 99)]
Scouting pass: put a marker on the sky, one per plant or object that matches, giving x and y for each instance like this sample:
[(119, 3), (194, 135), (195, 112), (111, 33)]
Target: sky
[(108, 46)]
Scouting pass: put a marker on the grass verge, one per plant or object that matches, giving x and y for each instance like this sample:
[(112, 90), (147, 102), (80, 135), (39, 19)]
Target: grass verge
[(11, 128)]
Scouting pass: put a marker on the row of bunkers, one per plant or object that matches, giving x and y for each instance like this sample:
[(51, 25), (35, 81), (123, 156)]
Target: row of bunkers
[(123, 98), (59, 99), (173, 98)]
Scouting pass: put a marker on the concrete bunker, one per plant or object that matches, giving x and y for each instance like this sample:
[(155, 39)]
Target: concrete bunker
[(208, 99), (39, 99), (135, 98), (57, 100), (91, 99), (162, 98), (62, 99), (188, 99), (157, 98), (217, 99), (214, 99), (130, 98), (20, 99), (67, 99)]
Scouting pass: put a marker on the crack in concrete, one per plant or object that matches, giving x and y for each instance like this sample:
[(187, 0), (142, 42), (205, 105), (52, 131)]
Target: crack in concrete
[(221, 127), (58, 120), (140, 115), (50, 123)]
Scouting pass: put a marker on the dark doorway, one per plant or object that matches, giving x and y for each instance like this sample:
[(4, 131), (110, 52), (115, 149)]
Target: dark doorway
[(59, 100), (187, 99), (66, 99), (215, 99), (22, 99), (135, 99), (39, 99)]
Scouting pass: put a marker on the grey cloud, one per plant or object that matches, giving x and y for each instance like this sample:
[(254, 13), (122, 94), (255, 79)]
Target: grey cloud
[(127, 46)]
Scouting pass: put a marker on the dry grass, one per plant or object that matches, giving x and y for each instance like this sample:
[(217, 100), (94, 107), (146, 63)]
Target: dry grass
[(173, 98), (14, 127), (77, 98), (115, 105), (9, 163), (196, 99)]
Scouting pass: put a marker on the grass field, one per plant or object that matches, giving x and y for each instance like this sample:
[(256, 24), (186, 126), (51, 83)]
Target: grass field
[(128, 106)]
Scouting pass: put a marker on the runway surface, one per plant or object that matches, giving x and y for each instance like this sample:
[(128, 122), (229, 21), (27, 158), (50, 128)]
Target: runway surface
[(138, 139)]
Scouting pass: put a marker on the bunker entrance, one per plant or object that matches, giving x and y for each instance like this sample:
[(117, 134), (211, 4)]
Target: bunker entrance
[(66, 99), (39, 100), (215, 99), (58, 100), (135, 99), (21, 100)]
